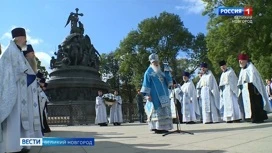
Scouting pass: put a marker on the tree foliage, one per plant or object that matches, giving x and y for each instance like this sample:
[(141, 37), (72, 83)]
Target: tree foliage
[(165, 35), (109, 68), (225, 39), (42, 68)]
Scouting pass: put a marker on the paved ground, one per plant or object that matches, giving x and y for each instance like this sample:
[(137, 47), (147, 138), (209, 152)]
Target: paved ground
[(136, 138)]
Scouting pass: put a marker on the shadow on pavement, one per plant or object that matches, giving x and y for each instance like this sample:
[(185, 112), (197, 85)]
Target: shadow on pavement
[(117, 147), (107, 145), (255, 126), (116, 142)]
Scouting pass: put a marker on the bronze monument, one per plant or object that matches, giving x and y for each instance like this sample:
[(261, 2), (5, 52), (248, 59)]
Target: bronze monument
[(75, 80)]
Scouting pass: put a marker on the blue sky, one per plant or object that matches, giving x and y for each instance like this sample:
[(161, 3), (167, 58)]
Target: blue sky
[(107, 22)]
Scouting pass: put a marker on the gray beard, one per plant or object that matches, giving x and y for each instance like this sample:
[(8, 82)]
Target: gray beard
[(24, 48), (156, 69), (33, 64)]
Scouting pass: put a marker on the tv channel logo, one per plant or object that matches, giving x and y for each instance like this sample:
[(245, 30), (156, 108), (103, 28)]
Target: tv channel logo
[(54, 141), (235, 11), (31, 141)]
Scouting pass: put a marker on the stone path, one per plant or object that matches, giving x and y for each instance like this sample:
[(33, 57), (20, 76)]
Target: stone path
[(136, 138)]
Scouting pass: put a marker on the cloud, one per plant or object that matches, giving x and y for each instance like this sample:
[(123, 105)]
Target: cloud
[(192, 6), (45, 59), (34, 41), (30, 39), (6, 35)]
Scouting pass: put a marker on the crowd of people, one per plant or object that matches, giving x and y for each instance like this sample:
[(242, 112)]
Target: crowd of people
[(233, 99), (23, 102)]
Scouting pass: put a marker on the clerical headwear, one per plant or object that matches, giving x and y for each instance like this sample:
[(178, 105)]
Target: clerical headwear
[(204, 65), (28, 50), (18, 32), (186, 74), (243, 56), (221, 63), (153, 57)]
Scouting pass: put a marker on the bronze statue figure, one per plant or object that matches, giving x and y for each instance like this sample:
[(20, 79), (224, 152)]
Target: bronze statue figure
[(73, 18), (52, 62)]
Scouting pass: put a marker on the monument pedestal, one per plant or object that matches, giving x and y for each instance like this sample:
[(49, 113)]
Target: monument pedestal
[(75, 87)]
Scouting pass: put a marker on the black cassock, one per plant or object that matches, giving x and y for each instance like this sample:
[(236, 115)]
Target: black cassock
[(46, 128), (258, 114)]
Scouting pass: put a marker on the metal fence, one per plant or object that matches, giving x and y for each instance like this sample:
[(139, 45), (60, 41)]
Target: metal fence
[(77, 114)]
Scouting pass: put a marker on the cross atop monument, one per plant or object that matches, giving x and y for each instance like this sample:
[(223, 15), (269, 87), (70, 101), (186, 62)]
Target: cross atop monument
[(73, 18), (77, 14)]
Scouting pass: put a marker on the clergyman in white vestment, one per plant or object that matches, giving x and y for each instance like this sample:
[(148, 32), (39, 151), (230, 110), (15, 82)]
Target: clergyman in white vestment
[(172, 102), (31, 108), (255, 99), (176, 103), (100, 110), (229, 94), (198, 95), (116, 114), (269, 90), (209, 96), (13, 92), (189, 100), (32, 105)]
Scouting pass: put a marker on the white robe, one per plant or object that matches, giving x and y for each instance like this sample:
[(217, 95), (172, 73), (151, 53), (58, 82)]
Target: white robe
[(189, 102), (251, 75), (116, 115), (33, 109), (13, 90), (32, 118), (100, 109), (210, 98), (229, 95), (198, 95), (176, 91), (268, 91)]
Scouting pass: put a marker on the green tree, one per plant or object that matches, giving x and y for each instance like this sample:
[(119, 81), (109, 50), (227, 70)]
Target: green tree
[(42, 68), (164, 35), (183, 64), (133, 59), (109, 68), (199, 51), (225, 39)]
